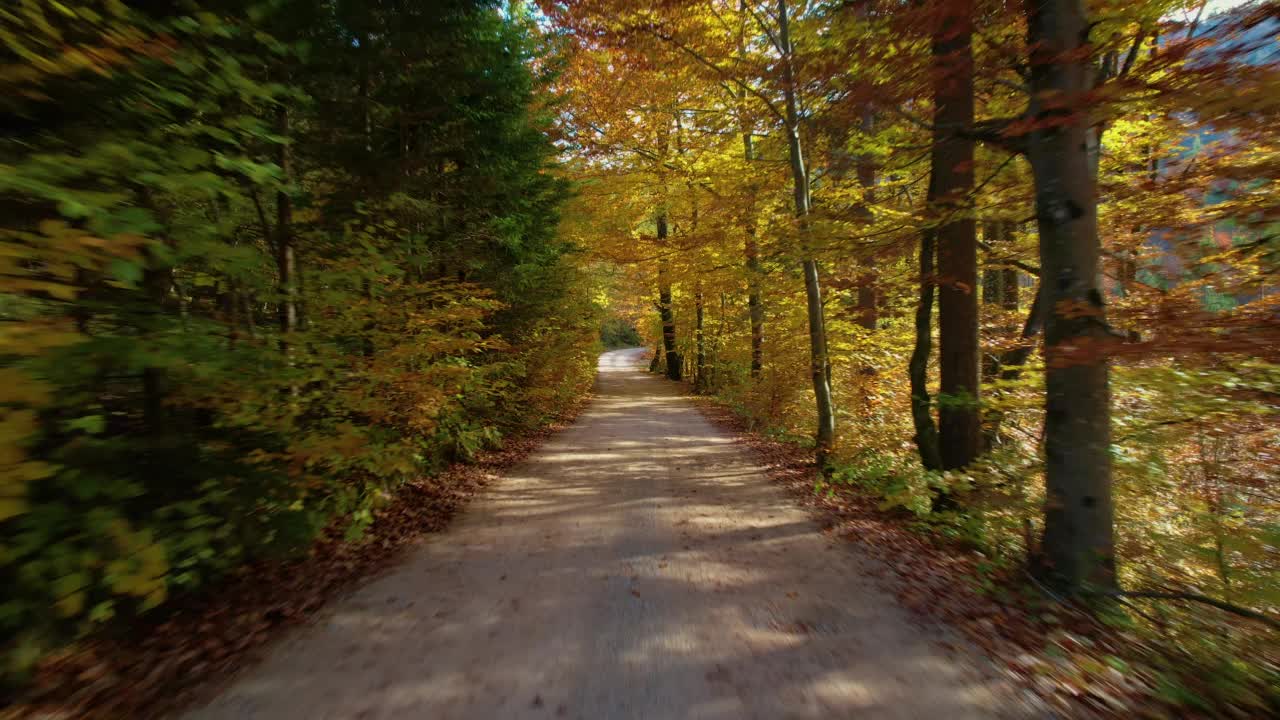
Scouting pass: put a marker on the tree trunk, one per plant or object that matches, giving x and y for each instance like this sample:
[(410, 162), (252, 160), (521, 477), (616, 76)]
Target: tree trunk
[(1009, 276), (959, 421), (234, 304), (673, 362), (1009, 365), (755, 306), (1000, 285), (1078, 544), (926, 437), (868, 313), (286, 261), (992, 292), (366, 114), (865, 169), (157, 281), (755, 275), (300, 293), (999, 288), (819, 362), (717, 343), (700, 358), (1013, 359), (250, 316)]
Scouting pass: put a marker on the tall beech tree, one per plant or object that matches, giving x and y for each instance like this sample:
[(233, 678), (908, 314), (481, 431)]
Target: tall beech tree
[(750, 243), (674, 366), (819, 360), (952, 163), (1078, 546)]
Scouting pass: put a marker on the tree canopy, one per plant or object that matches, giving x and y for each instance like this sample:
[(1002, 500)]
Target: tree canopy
[(1010, 268)]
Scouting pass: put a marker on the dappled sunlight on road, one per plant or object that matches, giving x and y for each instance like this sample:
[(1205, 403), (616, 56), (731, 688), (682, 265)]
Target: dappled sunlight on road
[(638, 566)]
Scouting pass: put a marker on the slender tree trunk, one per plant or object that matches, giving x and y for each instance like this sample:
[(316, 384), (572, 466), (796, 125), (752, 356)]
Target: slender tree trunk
[(868, 297), (717, 345), (868, 311), (926, 437), (1000, 285), (992, 293), (1000, 289), (286, 260), (1009, 276), (157, 281), (1012, 360), (229, 302), (231, 309), (959, 421), (865, 172), (673, 361), (819, 361), (755, 305), (865, 166), (300, 292), (366, 114), (700, 359), (755, 274), (1127, 273), (250, 317), (81, 315), (1078, 544), (1009, 365)]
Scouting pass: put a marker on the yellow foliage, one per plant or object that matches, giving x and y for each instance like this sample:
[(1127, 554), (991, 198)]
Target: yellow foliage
[(11, 506), (71, 605), (31, 338), (19, 388)]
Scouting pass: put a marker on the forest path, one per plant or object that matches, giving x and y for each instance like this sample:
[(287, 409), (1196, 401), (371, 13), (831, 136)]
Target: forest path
[(639, 565)]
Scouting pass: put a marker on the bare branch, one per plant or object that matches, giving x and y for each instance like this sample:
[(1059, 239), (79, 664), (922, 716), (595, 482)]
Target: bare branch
[(990, 132), (1193, 597), (764, 27), (1024, 267)]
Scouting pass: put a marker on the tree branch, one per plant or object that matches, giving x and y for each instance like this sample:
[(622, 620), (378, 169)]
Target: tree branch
[(724, 74), (990, 132), (1192, 597), (1024, 267), (773, 39), (267, 235), (1132, 55)]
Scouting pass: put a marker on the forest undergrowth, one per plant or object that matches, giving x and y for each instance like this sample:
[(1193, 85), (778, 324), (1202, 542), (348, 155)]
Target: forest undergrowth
[(267, 270), (1007, 269)]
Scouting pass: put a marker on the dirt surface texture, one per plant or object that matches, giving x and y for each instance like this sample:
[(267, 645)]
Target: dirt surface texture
[(639, 565)]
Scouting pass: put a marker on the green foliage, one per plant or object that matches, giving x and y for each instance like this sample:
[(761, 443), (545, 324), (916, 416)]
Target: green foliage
[(160, 425)]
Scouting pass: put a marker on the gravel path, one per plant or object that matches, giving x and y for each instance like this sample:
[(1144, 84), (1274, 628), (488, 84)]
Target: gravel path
[(637, 566)]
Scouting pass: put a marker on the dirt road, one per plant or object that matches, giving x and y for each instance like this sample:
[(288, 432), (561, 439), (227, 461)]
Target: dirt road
[(637, 566)]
